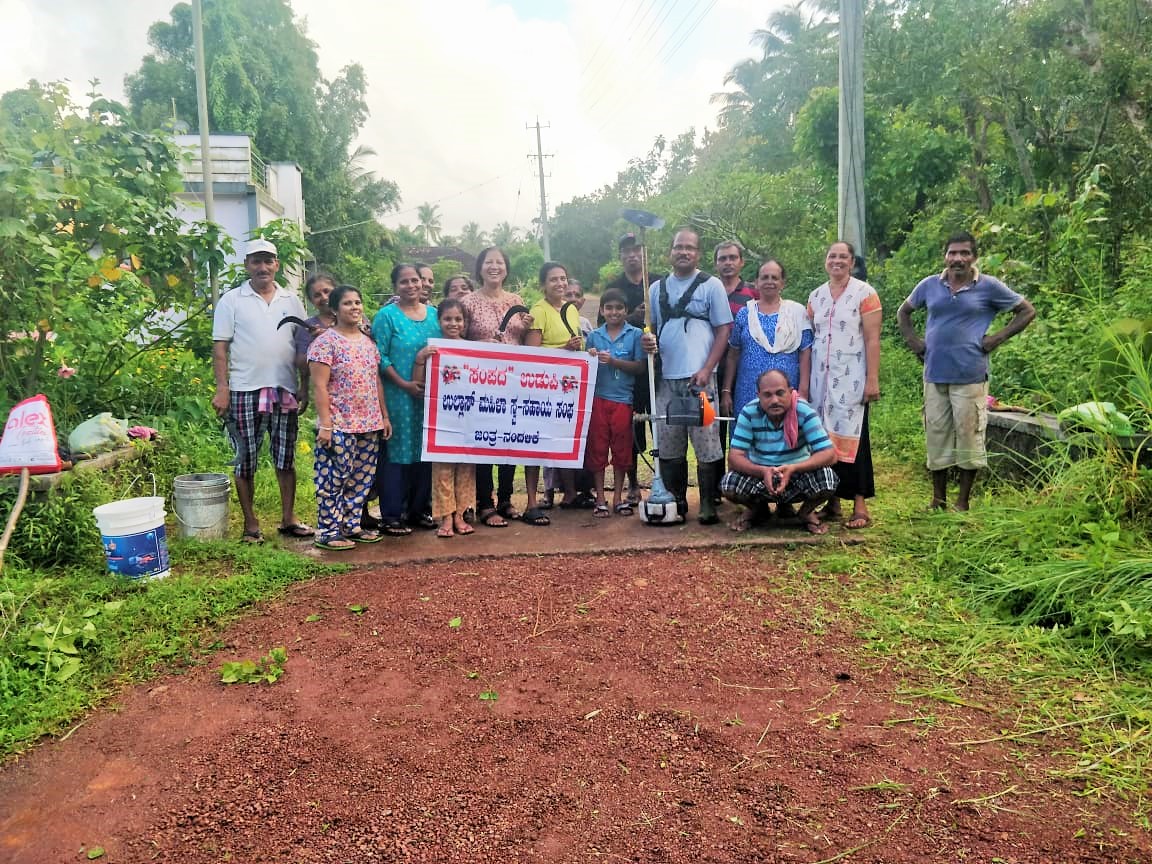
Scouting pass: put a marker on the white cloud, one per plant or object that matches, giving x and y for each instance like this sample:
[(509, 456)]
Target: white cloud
[(453, 83)]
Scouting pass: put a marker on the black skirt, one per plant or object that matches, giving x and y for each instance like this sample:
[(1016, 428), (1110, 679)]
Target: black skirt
[(856, 477)]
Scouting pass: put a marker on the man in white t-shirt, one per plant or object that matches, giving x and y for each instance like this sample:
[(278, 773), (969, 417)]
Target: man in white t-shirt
[(692, 320), (258, 387)]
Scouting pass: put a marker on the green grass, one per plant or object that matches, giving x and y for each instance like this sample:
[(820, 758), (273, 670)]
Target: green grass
[(71, 633), (916, 596)]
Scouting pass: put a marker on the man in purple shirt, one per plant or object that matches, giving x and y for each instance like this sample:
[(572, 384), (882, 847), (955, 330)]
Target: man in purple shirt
[(962, 303)]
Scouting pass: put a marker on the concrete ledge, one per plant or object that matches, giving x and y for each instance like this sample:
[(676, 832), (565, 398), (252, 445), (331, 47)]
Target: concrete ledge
[(47, 482)]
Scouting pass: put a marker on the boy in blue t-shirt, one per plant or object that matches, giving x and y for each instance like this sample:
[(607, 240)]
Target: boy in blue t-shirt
[(616, 344)]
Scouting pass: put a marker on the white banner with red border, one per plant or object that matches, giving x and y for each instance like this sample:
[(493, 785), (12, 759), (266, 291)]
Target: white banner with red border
[(503, 404)]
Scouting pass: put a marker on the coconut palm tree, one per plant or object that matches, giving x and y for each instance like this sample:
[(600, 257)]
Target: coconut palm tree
[(428, 222), (472, 239), (504, 235), (798, 52)]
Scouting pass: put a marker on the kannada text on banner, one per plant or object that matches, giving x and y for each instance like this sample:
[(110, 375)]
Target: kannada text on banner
[(503, 404)]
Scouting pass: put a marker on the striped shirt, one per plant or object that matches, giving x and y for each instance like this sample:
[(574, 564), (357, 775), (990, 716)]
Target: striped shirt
[(763, 442)]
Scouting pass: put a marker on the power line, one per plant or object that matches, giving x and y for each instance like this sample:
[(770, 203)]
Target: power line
[(616, 113), (692, 29), (599, 46), (629, 34)]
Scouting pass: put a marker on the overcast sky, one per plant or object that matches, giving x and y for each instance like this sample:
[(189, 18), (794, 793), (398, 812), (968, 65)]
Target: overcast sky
[(452, 84)]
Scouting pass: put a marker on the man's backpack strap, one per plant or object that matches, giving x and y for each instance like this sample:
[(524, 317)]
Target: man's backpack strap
[(680, 310)]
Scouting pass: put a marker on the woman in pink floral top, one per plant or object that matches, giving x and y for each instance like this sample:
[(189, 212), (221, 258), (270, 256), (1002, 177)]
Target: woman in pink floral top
[(350, 415)]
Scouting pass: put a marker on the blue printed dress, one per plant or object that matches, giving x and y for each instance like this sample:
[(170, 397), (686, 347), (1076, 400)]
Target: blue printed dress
[(399, 339), (755, 359)]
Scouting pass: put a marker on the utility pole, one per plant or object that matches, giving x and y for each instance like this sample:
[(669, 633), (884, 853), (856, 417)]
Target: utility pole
[(205, 146), (850, 182), (543, 199)]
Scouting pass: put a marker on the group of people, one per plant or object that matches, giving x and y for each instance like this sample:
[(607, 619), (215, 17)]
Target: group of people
[(795, 380)]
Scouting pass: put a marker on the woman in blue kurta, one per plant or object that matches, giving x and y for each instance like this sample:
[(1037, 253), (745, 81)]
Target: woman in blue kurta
[(771, 333), (401, 329)]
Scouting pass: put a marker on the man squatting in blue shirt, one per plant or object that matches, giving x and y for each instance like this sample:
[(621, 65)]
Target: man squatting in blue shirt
[(779, 454)]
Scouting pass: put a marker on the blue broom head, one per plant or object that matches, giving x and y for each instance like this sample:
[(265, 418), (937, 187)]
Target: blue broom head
[(659, 494)]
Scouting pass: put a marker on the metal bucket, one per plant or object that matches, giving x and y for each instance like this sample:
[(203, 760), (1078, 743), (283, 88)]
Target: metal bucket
[(200, 503)]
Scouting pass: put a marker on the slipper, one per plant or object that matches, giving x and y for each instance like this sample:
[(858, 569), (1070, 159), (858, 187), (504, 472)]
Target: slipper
[(297, 529), (486, 517), (365, 537), (601, 511), (445, 532), (396, 528), (508, 510), (813, 526), (624, 508), (857, 523), (252, 538), (424, 522), (467, 529), (336, 544), (535, 516)]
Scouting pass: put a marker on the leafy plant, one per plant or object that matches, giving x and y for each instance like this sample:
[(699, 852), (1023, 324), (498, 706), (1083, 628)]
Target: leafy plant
[(267, 669)]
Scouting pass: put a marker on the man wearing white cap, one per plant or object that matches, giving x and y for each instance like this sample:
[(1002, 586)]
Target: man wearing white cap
[(257, 383)]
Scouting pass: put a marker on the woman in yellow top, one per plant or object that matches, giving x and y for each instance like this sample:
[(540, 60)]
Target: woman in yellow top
[(555, 324)]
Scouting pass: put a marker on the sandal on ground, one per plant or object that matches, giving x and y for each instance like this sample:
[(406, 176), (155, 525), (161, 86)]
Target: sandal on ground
[(508, 510), (548, 502), (365, 537), (634, 496), (624, 508), (492, 518), (462, 527), (335, 544), (252, 538), (584, 501), (857, 523), (424, 522), (601, 511), (396, 528), (297, 529), (535, 516), (813, 525), (445, 531)]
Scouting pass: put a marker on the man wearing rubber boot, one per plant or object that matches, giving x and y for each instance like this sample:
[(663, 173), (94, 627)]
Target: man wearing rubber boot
[(692, 320)]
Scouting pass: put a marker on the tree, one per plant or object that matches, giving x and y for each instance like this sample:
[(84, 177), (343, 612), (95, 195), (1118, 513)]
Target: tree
[(505, 235), (472, 239), (428, 223), (264, 81), (91, 248), (798, 52)]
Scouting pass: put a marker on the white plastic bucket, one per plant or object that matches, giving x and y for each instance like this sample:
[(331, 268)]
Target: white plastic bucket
[(201, 505), (132, 532)]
